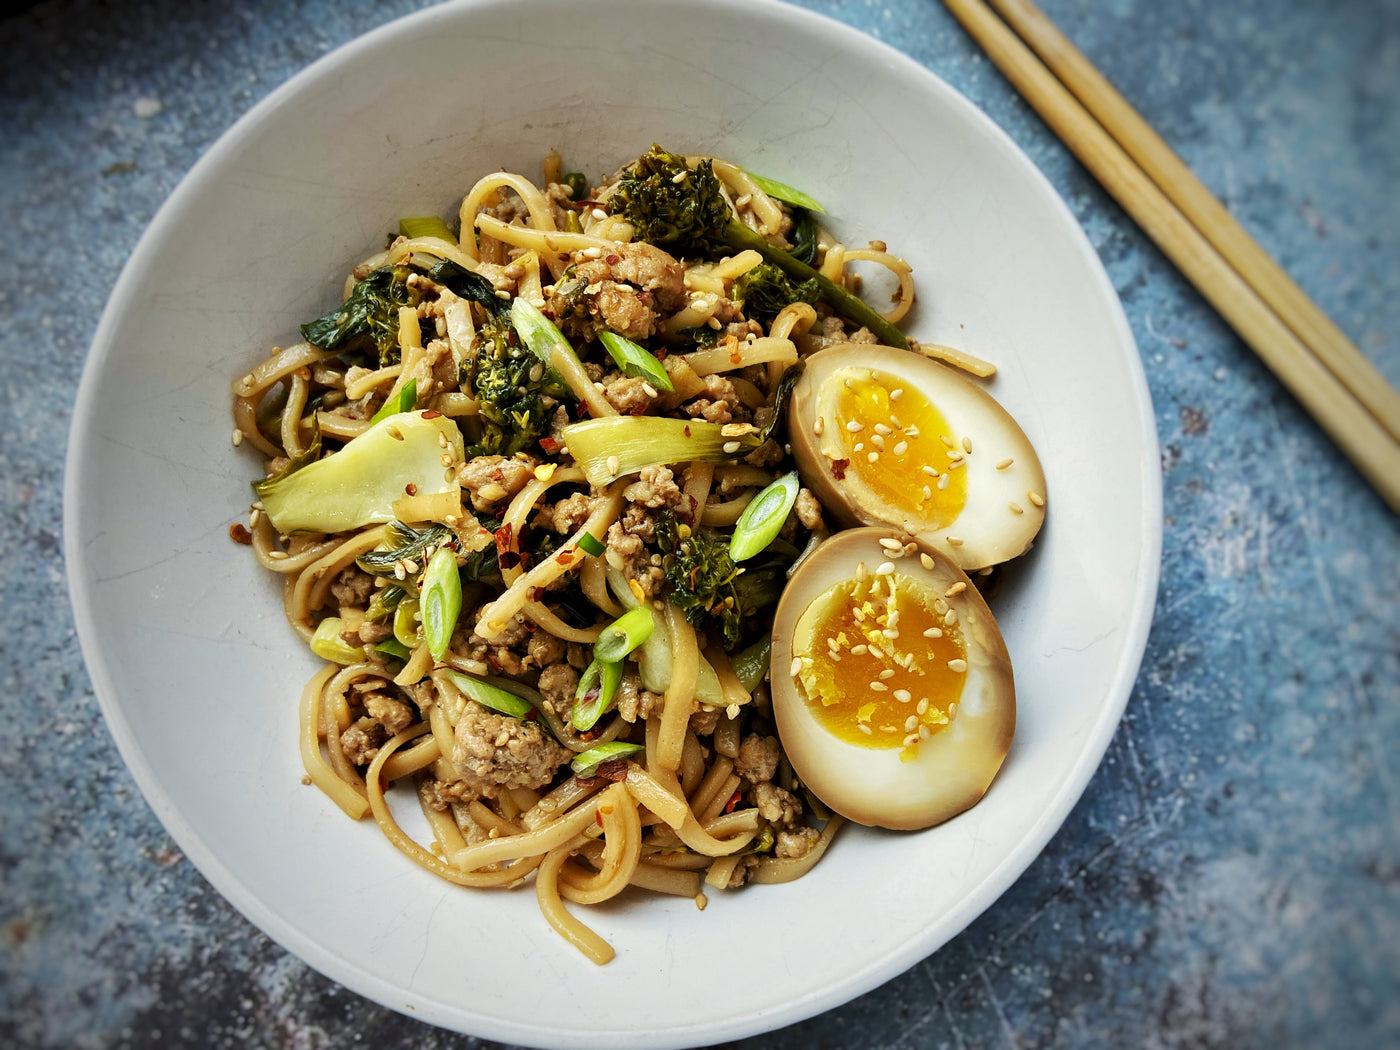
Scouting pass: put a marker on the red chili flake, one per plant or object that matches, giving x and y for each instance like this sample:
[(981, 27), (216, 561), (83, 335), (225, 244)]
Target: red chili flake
[(590, 735), (431, 413), (733, 801), (613, 260), (687, 430), (566, 556), (614, 769), (838, 468), (508, 559), (239, 533), (549, 444), (411, 489), (598, 817), (504, 535)]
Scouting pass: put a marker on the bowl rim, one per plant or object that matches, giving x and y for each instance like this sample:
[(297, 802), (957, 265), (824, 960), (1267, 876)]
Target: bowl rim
[(78, 461)]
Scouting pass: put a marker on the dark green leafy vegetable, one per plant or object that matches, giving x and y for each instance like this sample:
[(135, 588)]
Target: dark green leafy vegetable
[(384, 602), (683, 210), (515, 391), (471, 286), (395, 648), (786, 382), (765, 290), (804, 236), (704, 582), (371, 311), (409, 544)]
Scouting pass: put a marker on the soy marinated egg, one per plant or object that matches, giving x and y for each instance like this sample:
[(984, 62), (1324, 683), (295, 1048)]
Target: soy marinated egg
[(892, 686), (888, 437)]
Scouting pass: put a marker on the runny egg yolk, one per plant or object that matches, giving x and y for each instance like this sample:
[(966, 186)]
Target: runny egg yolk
[(882, 660), (901, 446)]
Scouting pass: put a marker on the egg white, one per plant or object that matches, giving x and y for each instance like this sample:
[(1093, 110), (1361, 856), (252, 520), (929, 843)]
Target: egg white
[(952, 769), (1004, 508)]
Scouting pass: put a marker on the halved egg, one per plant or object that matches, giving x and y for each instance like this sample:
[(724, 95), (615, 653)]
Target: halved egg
[(889, 437), (892, 686)]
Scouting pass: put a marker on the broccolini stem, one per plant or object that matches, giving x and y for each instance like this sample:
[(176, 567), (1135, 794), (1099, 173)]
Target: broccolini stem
[(849, 306)]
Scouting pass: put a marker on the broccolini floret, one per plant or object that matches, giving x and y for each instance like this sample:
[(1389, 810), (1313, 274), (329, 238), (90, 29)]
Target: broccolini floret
[(515, 392), (684, 211), (765, 290)]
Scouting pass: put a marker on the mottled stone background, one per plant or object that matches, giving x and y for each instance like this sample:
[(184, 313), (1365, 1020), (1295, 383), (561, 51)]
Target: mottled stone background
[(1232, 876)]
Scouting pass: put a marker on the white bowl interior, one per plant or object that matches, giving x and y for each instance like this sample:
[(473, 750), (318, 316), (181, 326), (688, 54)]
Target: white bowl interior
[(199, 675)]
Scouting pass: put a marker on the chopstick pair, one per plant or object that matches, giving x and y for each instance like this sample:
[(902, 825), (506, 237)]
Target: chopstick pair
[(1324, 370)]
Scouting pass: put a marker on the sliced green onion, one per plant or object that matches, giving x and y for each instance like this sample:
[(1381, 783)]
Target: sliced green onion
[(406, 628), (542, 337), (404, 401), (587, 761), (787, 194), (433, 226), (571, 223), (614, 446), (596, 690), (624, 634), (751, 664), (491, 696), (763, 518), (395, 648), (591, 544), (384, 602), (577, 183), (441, 600), (635, 361), (328, 645)]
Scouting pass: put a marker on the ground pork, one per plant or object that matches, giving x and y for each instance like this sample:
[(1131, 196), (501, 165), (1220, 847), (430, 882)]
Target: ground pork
[(740, 874), (352, 586), (630, 395), (655, 488), (768, 454), (544, 649), (625, 552), (629, 291), (797, 842), (758, 758), (558, 683), (704, 720), (504, 655), (780, 808), (493, 751), (720, 403), (570, 512), (491, 479), (809, 510), (634, 702), (384, 716)]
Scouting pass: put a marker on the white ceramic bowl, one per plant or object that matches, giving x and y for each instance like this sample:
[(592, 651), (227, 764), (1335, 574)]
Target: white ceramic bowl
[(198, 675)]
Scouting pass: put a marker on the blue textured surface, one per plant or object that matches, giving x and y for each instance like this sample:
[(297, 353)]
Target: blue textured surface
[(1231, 878)]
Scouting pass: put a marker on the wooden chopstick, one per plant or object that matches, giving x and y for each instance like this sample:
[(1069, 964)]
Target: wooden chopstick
[(1352, 423)]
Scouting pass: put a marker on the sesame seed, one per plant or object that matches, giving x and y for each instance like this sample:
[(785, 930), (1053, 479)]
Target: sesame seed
[(713, 322), (896, 393), (680, 176), (891, 544), (731, 447), (277, 555), (954, 541), (883, 430), (860, 650), (599, 214), (879, 687), (957, 463), (442, 439), (930, 471), (933, 632), (911, 431), (926, 560), (946, 440), (950, 618), (861, 572), (886, 674), (943, 481), (911, 723), (954, 455), (911, 739), (502, 294), (957, 588), (1003, 464), (872, 456), (967, 445), (927, 493), (399, 571), (854, 426), (958, 665), (592, 253), (858, 447), (864, 728), (613, 464), (1036, 498), (903, 695), (923, 705), (410, 566), (1015, 507), (877, 441), (237, 437), (819, 426), (890, 633), (924, 733), (884, 568), (940, 606), (901, 448)]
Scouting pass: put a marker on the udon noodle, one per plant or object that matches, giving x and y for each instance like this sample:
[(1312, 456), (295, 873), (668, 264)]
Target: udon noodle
[(683, 785)]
